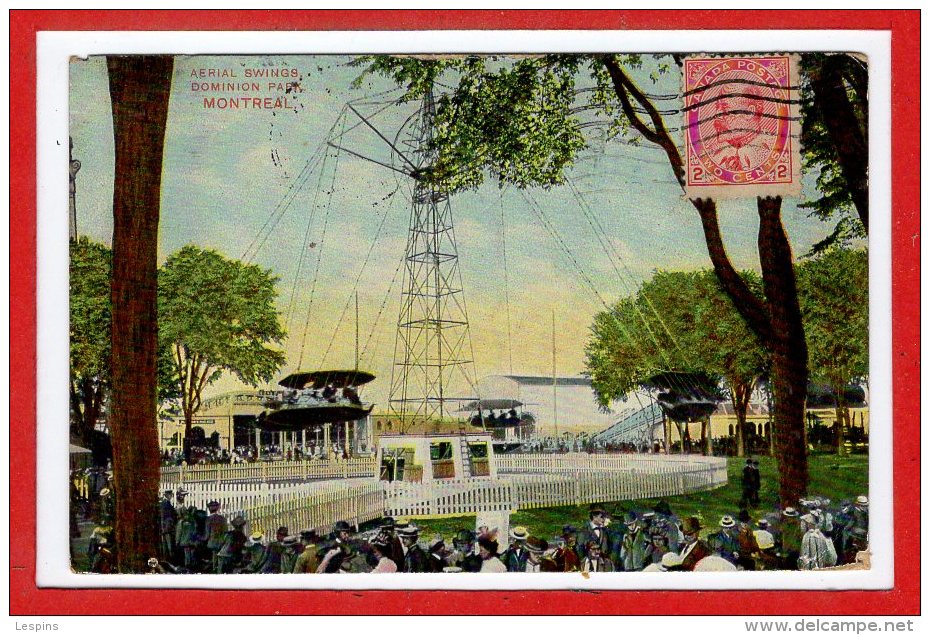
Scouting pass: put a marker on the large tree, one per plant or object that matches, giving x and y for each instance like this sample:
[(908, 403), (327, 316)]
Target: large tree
[(215, 315), (834, 290), (835, 142), (140, 87), (677, 321), (89, 334), (730, 348), (520, 121)]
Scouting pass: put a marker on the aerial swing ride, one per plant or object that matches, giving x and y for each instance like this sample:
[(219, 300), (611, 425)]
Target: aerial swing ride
[(432, 346), (433, 350)]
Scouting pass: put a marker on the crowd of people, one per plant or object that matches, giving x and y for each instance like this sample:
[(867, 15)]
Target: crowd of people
[(212, 455), (814, 536)]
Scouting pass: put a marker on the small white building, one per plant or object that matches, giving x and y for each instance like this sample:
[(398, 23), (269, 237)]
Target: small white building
[(426, 457)]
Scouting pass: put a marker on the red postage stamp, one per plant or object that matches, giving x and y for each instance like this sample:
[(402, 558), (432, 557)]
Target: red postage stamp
[(740, 126)]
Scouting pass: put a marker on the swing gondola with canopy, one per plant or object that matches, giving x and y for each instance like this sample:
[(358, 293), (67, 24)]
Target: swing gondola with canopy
[(312, 398)]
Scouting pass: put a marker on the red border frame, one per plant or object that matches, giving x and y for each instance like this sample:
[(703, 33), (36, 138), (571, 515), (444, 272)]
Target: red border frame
[(904, 598)]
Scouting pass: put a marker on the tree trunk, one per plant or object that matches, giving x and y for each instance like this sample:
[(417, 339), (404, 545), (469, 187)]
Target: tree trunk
[(739, 396), (842, 414), (85, 409), (139, 89), (777, 324), (667, 432), (681, 437), (789, 352)]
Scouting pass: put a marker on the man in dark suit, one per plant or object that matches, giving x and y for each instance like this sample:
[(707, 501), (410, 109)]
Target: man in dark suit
[(598, 532), (216, 528), (339, 550), (747, 485), (756, 483), (168, 521), (516, 555), (415, 559), (693, 548), (464, 555), (395, 547)]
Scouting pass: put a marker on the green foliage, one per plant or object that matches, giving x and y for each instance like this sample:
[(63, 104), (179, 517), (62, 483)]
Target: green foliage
[(89, 331), (89, 297), (677, 321), (216, 315), (521, 120), (834, 203), (833, 290)]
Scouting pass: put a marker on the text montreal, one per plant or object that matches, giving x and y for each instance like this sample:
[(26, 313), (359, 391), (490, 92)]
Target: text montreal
[(247, 103)]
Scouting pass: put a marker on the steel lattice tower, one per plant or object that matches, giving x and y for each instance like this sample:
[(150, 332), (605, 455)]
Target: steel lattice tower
[(432, 349)]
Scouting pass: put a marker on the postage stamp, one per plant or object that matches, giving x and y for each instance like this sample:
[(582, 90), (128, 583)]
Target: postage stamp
[(741, 126), (273, 368)]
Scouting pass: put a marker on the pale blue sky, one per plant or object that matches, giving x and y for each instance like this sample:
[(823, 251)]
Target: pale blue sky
[(226, 171)]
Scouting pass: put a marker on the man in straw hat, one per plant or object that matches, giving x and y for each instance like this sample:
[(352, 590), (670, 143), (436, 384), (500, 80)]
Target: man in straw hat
[(724, 542), (253, 553), (694, 549), (273, 557), (516, 555), (860, 513), (713, 562), (537, 561), (789, 545), (766, 558), (415, 559)]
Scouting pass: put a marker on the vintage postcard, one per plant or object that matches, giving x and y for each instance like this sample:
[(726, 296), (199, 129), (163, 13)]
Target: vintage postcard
[(576, 313)]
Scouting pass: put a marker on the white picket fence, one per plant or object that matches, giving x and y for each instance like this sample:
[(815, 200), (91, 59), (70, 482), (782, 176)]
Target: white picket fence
[(268, 471), (528, 481), (355, 503), (553, 487), (452, 497), (244, 498), (580, 463)]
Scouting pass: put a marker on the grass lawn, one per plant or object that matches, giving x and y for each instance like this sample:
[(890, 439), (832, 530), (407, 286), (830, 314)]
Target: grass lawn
[(836, 478)]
